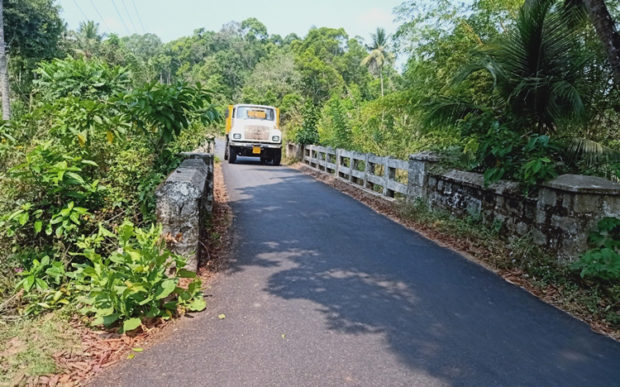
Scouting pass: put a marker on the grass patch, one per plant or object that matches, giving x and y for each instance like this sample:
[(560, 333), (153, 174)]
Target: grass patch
[(27, 346)]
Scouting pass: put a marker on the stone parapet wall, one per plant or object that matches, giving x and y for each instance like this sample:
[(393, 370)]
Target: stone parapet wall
[(184, 203), (558, 216), (293, 151)]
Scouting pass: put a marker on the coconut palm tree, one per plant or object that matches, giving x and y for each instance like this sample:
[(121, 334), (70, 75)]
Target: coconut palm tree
[(88, 39), (379, 54), (537, 73)]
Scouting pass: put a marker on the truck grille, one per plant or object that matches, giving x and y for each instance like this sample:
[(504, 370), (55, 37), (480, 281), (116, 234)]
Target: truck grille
[(256, 133)]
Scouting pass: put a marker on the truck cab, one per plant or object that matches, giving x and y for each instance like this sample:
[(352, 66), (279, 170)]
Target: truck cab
[(253, 130)]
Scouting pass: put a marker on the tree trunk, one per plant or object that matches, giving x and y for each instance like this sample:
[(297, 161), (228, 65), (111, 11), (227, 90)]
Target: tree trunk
[(606, 31), (381, 77), (4, 73)]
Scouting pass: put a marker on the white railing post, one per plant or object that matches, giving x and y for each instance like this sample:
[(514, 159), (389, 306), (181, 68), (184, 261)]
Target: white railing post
[(337, 171), (386, 175), (366, 170)]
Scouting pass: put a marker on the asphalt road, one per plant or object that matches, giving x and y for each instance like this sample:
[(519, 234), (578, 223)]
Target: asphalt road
[(324, 291)]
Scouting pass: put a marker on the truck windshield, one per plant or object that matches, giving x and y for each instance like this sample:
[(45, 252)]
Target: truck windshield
[(255, 113)]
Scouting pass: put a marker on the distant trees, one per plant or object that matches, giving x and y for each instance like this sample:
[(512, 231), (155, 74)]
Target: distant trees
[(87, 39), (33, 31), (530, 69), (379, 55)]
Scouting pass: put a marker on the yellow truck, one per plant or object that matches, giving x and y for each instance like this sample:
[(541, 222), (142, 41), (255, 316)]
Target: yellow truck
[(253, 130)]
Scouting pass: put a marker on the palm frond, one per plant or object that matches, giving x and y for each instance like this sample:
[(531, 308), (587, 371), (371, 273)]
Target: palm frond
[(446, 110), (591, 152)]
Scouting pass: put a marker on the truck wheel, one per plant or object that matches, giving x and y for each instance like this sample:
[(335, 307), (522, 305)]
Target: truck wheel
[(232, 155), (277, 157), (226, 152)]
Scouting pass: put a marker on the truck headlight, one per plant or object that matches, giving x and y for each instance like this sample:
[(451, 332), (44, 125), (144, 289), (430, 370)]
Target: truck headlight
[(275, 138), (237, 136)]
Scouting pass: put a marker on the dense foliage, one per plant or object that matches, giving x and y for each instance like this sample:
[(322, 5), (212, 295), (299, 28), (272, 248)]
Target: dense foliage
[(512, 89), (79, 171)]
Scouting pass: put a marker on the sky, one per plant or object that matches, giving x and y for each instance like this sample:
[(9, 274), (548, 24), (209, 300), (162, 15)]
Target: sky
[(171, 19)]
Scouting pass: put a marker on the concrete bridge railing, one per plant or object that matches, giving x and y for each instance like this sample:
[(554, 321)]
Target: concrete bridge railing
[(184, 204), (559, 217), (384, 175)]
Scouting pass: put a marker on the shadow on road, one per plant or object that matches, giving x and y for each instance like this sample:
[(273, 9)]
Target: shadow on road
[(436, 311)]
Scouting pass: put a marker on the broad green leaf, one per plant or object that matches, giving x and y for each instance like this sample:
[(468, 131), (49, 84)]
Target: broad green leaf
[(145, 301), (198, 304), (75, 177), (23, 218), (81, 139), (131, 324), (28, 282), (41, 284), (106, 320), (38, 225), (165, 289)]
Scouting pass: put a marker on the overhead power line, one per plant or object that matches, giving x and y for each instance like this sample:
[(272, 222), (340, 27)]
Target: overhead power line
[(129, 16), (133, 3), (81, 11), (120, 17), (100, 16)]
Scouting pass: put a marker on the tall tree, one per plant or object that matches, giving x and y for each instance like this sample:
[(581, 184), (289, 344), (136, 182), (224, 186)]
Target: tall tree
[(87, 39), (33, 31), (606, 31), (379, 54), (4, 73)]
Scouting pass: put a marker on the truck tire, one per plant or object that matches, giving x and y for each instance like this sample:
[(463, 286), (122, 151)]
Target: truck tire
[(232, 155), (277, 157), (226, 151)]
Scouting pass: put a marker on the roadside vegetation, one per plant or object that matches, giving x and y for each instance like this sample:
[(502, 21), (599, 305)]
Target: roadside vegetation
[(88, 141), (512, 89)]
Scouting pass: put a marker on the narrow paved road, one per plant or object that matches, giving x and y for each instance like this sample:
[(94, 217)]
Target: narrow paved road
[(324, 291)]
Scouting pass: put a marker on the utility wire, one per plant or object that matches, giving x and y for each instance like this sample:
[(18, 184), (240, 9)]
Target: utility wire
[(129, 16), (81, 11), (133, 3), (100, 16), (120, 17)]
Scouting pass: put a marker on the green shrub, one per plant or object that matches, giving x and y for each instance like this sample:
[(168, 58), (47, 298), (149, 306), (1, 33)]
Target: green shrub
[(84, 78), (90, 153), (132, 283), (602, 262), (160, 112), (502, 153), (44, 286)]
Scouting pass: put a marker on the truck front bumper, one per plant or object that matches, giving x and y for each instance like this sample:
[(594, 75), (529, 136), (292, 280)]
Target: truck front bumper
[(256, 149), (249, 144)]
